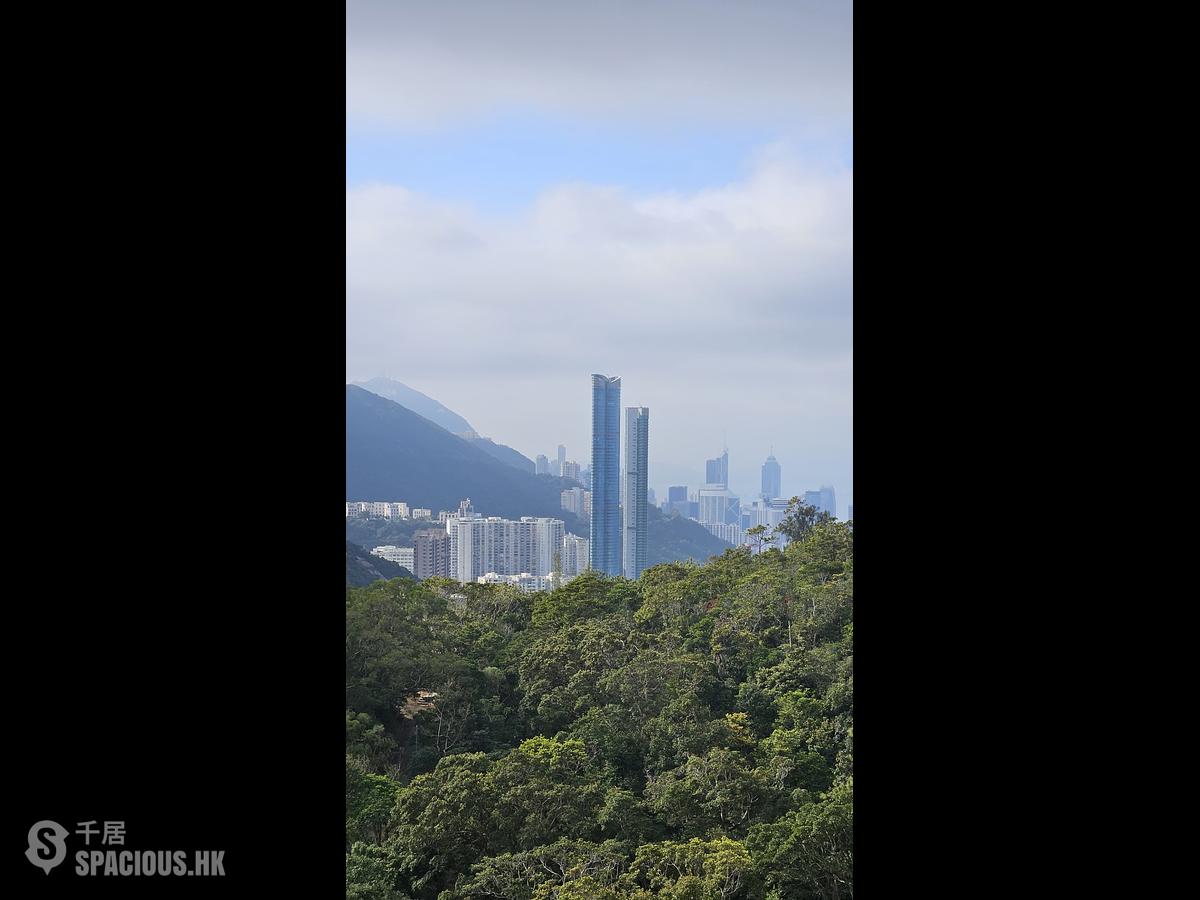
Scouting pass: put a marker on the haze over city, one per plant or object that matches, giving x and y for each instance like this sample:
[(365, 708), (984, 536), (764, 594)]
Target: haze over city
[(662, 195)]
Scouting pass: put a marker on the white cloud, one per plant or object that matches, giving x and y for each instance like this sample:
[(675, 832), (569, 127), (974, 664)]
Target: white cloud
[(698, 300)]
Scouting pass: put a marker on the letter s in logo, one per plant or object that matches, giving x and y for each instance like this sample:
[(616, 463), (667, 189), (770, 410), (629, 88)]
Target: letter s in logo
[(47, 845)]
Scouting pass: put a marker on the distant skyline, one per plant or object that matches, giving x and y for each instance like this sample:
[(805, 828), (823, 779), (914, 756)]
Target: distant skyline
[(663, 192)]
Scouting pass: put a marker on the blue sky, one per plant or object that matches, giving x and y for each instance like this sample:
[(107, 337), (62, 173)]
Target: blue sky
[(660, 191), (501, 164)]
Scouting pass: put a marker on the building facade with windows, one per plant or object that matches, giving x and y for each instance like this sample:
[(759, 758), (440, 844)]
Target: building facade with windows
[(635, 508), (605, 540)]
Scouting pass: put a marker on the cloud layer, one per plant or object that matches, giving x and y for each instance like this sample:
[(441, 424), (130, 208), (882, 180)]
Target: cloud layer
[(414, 65), (727, 311)]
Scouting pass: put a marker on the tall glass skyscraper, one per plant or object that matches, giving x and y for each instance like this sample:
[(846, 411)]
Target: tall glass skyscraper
[(605, 542), (716, 471), (635, 502), (771, 484)]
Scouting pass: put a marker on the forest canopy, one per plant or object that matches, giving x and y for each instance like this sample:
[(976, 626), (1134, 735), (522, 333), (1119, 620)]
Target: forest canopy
[(688, 735)]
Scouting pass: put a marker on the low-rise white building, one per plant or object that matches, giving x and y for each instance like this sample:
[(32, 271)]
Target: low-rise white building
[(401, 555), (376, 509), (524, 581)]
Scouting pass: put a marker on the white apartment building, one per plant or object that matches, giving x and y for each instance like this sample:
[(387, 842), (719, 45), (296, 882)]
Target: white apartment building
[(523, 581), (480, 545), (422, 513), (577, 501), (375, 509), (401, 555), (574, 556)]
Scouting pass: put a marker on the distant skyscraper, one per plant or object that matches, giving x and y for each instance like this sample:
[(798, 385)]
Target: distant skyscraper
[(716, 471), (828, 501), (771, 479), (562, 458), (634, 512), (677, 493), (541, 465), (822, 500), (850, 512), (570, 470), (650, 498), (605, 542)]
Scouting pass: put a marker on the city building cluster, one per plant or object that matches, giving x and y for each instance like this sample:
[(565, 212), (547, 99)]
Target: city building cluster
[(384, 509), (562, 467), (538, 553), (530, 552), (722, 512)]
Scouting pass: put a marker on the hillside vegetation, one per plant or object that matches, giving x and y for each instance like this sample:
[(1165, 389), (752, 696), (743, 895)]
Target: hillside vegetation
[(685, 736)]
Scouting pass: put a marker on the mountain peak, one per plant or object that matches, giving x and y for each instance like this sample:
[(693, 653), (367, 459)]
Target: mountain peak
[(421, 404)]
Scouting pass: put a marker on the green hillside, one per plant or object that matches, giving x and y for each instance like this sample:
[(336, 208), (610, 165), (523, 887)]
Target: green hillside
[(688, 735), (394, 454)]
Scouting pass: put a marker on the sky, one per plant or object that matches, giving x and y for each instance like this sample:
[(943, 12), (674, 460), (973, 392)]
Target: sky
[(663, 191)]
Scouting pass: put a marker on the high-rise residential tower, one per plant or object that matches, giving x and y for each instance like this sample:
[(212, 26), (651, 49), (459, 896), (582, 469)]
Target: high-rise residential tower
[(541, 465), (634, 504), (562, 458), (605, 541), (771, 482), (431, 554)]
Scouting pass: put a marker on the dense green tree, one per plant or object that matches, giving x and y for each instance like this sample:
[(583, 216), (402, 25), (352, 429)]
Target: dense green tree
[(809, 852), (519, 876), (370, 874), (800, 519), (369, 802), (444, 821), (685, 735), (717, 790), (545, 789), (720, 869)]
